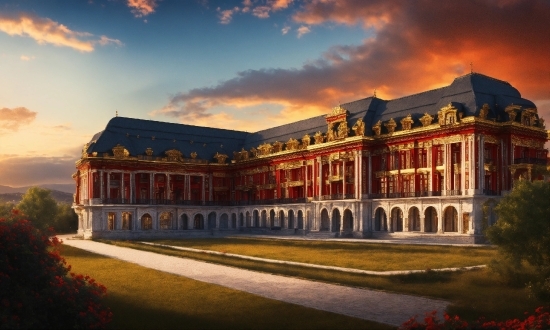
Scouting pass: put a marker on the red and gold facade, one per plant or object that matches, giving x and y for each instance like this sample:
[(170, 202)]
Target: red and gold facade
[(435, 177)]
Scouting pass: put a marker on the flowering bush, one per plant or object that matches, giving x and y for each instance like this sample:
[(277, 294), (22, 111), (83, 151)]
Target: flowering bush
[(539, 320), (37, 290)]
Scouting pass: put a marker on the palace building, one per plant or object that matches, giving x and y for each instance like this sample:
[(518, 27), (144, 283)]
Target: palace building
[(428, 166)]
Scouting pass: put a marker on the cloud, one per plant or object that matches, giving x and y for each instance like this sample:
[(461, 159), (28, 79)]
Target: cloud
[(26, 58), (46, 31), (303, 30), (226, 16), (412, 47), (261, 10), (12, 119), (22, 171), (285, 30), (104, 41), (142, 8)]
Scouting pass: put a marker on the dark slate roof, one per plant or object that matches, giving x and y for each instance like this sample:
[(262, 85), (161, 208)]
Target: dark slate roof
[(467, 93), (136, 135)]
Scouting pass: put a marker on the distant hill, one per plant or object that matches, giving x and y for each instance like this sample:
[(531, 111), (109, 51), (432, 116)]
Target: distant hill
[(14, 195), (62, 187)]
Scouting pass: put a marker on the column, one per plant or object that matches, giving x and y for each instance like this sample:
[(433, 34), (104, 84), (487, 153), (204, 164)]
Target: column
[(151, 186), (370, 175), (122, 193), (357, 182), (471, 164), (102, 186), (108, 185), (422, 219), (168, 190), (463, 165), (481, 164), (343, 178), (429, 156), (187, 187), (203, 190), (329, 177), (305, 172), (440, 221), (444, 185), (132, 187), (211, 190)]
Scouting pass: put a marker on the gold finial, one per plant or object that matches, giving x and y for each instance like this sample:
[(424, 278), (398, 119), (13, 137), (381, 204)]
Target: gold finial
[(116, 113), (471, 67), (375, 92)]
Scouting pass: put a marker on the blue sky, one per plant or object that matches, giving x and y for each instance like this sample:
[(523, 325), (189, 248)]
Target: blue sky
[(68, 66)]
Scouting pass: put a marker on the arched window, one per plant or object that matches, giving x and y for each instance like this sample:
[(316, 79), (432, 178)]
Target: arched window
[(146, 222), (111, 221)]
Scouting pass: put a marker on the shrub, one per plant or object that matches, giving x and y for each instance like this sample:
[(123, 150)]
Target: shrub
[(539, 320), (37, 290)]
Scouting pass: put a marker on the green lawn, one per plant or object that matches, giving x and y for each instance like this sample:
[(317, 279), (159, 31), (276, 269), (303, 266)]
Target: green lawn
[(473, 293), (366, 256), (142, 298)]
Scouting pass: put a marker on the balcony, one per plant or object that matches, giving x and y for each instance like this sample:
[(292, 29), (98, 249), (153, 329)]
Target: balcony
[(453, 192), (536, 161), (405, 194), (335, 197)]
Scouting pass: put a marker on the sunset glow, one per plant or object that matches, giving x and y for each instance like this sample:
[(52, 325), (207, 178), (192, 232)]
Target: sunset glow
[(69, 66)]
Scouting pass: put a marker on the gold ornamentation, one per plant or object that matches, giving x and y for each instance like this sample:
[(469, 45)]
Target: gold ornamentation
[(265, 149), (448, 139), (174, 155), (193, 155), (377, 128), (337, 111), (306, 140), (529, 117), (406, 123), (253, 152), (491, 139), (426, 119), (277, 146), (149, 152), (120, 152), (330, 132), (523, 142), (447, 115), (484, 111), (85, 150), (390, 125), (512, 111), (319, 138), (292, 144), (289, 166), (343, 130), (359, 128), (220, 158)]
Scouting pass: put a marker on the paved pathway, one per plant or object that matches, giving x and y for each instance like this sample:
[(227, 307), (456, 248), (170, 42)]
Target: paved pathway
[(383, 307)]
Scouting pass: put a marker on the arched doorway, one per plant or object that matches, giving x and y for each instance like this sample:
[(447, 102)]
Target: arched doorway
[(291, 219), (348, 220), (450, 219), (380, 220), (146, 222), (396, 219), (300, 220), (282, 219), (264, 219), (414, 219), (336, 220), (430, 220), (256, 218), (212, 220), (224, 221), (325, 221), (184, 222), (272, 218), (198, 221)]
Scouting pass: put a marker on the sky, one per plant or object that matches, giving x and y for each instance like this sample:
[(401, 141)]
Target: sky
[(68, 66)]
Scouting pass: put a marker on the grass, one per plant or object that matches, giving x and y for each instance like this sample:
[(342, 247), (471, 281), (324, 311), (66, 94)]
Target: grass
[(366, 256), (142, 298), (473, 294)]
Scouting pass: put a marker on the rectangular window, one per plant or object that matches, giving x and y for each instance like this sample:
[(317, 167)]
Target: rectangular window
[(111, 216), (126, 221)]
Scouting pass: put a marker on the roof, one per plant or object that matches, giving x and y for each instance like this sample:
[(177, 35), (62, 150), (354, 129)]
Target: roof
[(467, 93)]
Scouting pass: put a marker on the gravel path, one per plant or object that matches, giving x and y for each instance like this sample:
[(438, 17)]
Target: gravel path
[(383, 307)]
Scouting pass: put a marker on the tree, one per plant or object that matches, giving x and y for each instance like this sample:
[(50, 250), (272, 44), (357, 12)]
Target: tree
[(522, 232), (39, 207), (37, 291), (66, 220), (5, 209)]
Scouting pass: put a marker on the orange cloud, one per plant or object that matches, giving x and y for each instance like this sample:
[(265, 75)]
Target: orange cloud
[(46, 31), (142, 8), (415, 46), (12, 119)]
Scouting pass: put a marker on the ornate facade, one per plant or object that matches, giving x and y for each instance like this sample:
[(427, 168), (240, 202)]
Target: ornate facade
[(430, 165)]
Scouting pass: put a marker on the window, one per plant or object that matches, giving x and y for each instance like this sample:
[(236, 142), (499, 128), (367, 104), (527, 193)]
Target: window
[(111, 216), (127, 221), (165, 220), (146, 222)]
